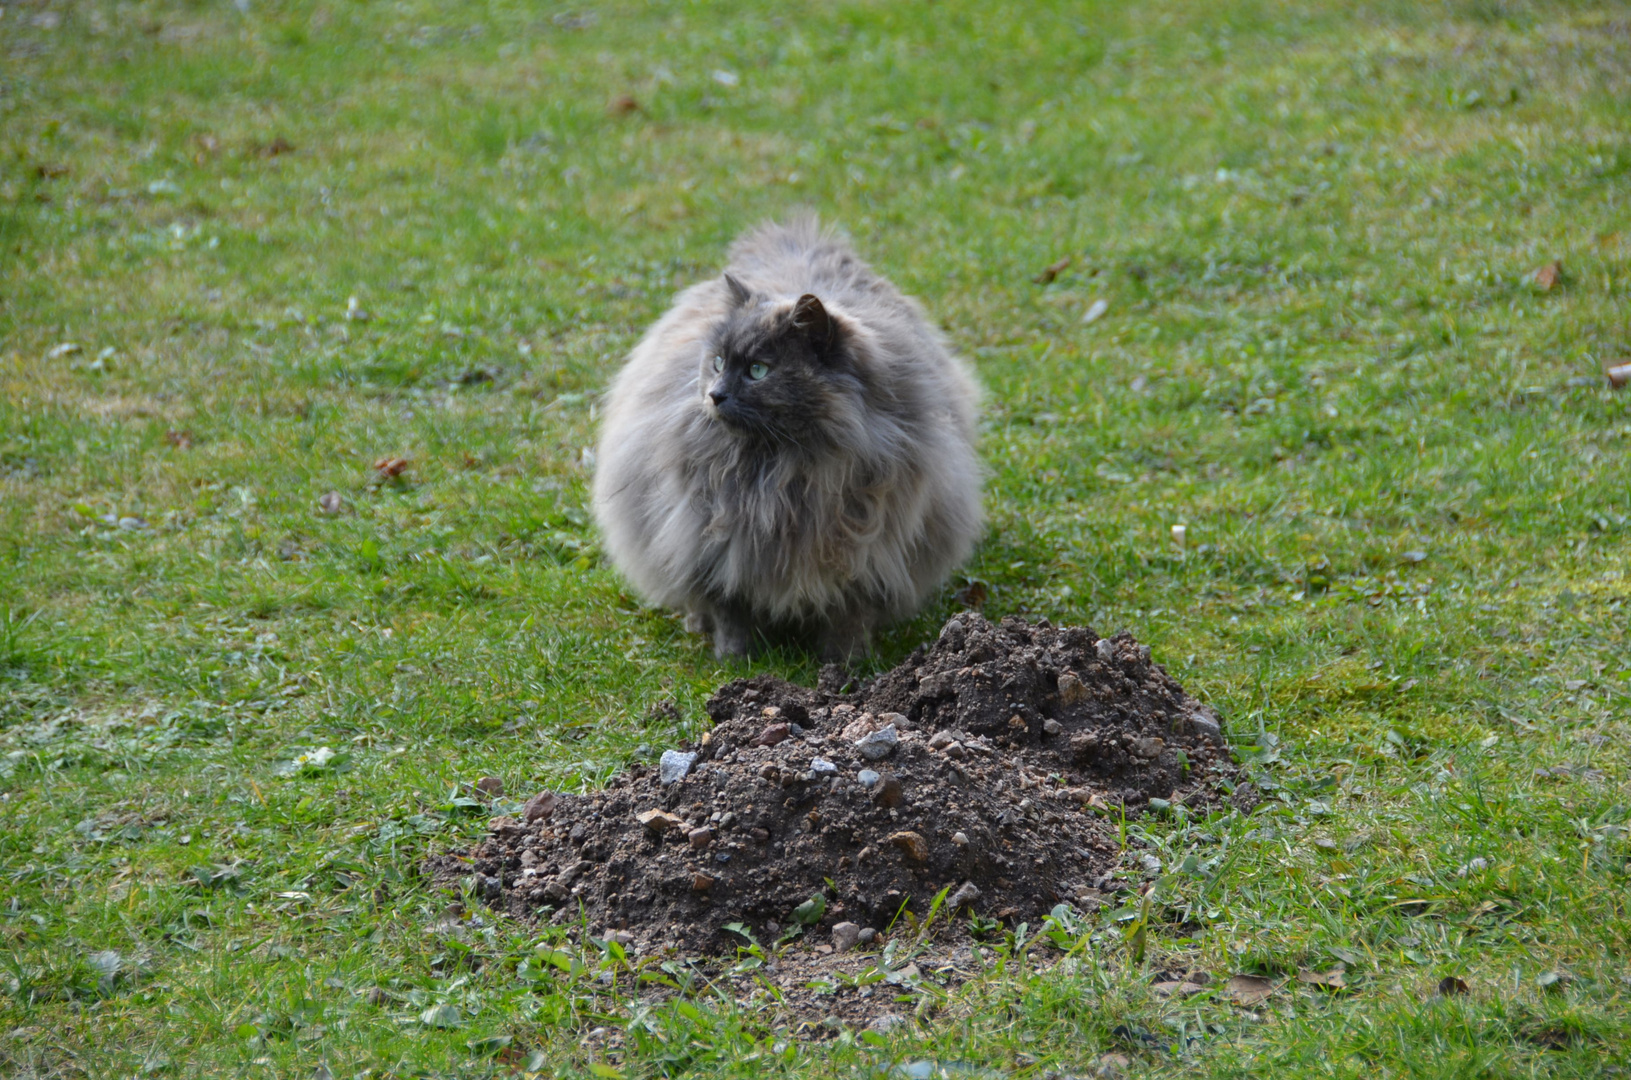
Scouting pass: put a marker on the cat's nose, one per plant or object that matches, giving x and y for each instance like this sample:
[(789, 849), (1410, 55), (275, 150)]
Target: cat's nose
[(719, 396)]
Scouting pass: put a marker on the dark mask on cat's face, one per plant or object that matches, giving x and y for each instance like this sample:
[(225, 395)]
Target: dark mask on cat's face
[(776, 377)]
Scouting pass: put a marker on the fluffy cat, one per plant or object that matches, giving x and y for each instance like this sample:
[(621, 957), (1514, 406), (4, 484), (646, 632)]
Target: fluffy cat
[(789, 451)]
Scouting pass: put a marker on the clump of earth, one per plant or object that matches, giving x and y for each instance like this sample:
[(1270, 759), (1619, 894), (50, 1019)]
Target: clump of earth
[(991, 765)]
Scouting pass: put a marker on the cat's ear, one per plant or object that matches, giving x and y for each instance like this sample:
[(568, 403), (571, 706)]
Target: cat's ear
[(810, 318), (738, 292)]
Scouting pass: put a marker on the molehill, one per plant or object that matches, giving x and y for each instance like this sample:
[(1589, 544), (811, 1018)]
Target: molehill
[(993, 763)]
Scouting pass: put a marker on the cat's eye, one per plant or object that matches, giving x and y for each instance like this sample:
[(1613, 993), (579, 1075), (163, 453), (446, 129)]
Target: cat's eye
[(719, 363), (758, 371)]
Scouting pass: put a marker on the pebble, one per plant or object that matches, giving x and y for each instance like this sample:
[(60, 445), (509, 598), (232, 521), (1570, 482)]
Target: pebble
[(886, 1023), (911, 844), (895, 720), (540, 807), (700, 838), (701, 883), (674, 765), (887, 792), (1072, 690), (868, 777), (622, 937), (1052, 727), (868, 935), (878, 745), (491, 786), (960, 838), (823, 767), (658, 821), (761, 835), (1106, 650), (772, 734), (963, 897), (941, 739), (845, 935), (1206, 725)]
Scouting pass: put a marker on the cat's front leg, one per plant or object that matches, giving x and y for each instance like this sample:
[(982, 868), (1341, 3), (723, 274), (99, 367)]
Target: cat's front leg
[(733, 631), (846, 636)]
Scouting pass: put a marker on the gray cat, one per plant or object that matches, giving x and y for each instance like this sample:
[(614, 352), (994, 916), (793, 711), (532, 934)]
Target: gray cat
[(789, 451)]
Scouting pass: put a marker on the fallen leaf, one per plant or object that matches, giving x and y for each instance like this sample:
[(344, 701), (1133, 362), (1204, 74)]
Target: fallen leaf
[(181, 440), (391, 467), (1095, 311), (973, 595), (1324, 980), (1249, 989), (1051, 271), (1548, 276), (1450, 986), (622, 105), (277, 146)]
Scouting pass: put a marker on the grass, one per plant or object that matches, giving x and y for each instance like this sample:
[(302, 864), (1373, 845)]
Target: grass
[(1402, 476)]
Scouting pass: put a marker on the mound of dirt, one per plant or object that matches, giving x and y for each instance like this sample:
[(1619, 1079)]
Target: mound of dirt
[(993, 762)]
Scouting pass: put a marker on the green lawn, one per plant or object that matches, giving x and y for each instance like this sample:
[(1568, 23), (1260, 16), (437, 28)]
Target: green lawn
[(1316, 226)]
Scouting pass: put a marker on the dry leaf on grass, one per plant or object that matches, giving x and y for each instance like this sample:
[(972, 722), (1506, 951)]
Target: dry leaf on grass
[(1450, 986), (1051, 271), (1249, 989), (181, 440), (622, 105), (391, 467), (1323, 980), (1548, 276)]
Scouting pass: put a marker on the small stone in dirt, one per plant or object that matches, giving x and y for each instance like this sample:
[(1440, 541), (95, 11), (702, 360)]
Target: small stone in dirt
[(845, 935), (941, 739), (868, 777), (964, 896), (658, 821), (700, 838), (1106, 650), (896, 720), (1050, 726), (878, 745), (1072, 691), (675, 765), (886, 1023), (761, 835), (1206, 725), (887, 792), (868, 935), (490, 786), (960, 838), (701, 883), (911, 844), (540, 807), (622, 937), (772, 734), (1473, 866), (823, 767)]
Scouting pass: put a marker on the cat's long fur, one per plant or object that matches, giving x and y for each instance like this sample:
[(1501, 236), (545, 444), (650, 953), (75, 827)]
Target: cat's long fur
[(844, 514)]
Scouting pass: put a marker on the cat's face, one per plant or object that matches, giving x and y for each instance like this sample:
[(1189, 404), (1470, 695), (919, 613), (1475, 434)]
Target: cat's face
[(775, 375)]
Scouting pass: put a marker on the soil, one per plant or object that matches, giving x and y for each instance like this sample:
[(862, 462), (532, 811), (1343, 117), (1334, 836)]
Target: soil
[(1000, 759)]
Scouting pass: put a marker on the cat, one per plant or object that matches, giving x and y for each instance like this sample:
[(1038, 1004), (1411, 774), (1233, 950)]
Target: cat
[(789, 452)]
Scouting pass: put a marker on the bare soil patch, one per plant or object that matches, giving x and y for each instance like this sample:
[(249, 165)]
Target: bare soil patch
[(993, 763)]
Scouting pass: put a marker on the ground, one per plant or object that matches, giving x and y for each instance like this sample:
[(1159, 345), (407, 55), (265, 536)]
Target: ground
[(304, 312)]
